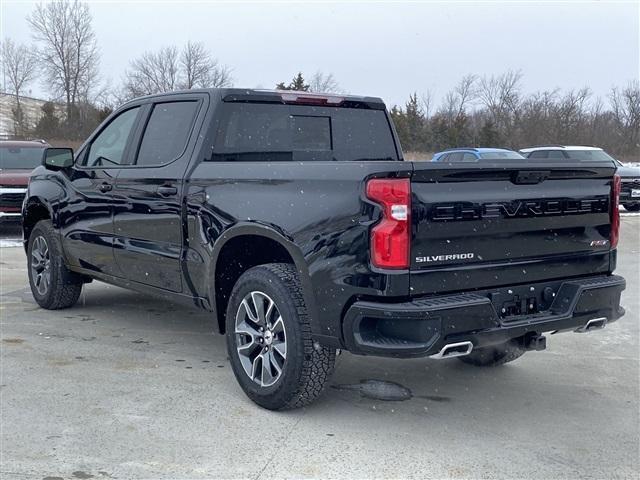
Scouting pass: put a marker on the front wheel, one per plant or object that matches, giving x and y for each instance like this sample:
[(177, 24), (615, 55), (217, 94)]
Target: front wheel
[(494, 355), (52, 285), (269, 339)]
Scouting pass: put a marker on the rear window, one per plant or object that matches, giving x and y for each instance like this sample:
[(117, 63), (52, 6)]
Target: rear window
[(588, 155), (569, 155), (268, 132), (20, 157), (501, 156)]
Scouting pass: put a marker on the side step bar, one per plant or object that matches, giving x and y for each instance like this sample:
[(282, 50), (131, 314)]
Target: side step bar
[(593, 324), (453, 350)]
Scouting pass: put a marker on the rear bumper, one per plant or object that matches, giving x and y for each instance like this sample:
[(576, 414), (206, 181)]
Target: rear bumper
[(423, 327), (629, 199), (626, 192), (10, 216)]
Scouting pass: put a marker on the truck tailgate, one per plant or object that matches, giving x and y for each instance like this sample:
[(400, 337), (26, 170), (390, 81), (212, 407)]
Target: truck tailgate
[(475, 226)]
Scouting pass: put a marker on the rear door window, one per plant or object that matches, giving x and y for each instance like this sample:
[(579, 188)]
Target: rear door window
[(539, 155), (548, 155), (589, 155), (272, 132), (556, 155), (167, 133)]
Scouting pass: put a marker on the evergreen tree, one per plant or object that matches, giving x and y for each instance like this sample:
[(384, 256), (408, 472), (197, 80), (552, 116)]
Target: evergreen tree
[(439, 133), (49, 125), (415, 124), (19, 123), (411, 125), (400, 121), (459, 133), (297, 84), (103, 113), (489, 136)]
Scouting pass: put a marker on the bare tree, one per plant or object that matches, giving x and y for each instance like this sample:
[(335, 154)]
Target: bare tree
[(500, 95), (466, 92), (167, 69), (324, 83), (200, 70), (625, 106), (451, 121), (69, 51), (427, 103), (20, 67), (571, 116), (457, 100), (153, 72), (493, 111), (535, 115)]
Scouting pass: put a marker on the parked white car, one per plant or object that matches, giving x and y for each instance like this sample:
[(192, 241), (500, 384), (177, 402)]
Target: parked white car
[(630, 176)]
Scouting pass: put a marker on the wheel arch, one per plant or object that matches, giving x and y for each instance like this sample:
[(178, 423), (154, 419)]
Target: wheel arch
[(35, 209), (247, 245)]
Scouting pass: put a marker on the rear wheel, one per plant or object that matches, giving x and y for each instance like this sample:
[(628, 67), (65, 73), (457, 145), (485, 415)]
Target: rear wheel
[(631, 207), (269, 339), (53, 286), (494, 355)]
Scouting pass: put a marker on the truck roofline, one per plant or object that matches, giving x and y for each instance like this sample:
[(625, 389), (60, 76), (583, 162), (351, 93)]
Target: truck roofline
[(258, 94), (558, 147)]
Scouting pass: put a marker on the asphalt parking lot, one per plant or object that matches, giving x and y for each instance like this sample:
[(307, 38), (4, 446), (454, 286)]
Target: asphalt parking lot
[(127, 386)]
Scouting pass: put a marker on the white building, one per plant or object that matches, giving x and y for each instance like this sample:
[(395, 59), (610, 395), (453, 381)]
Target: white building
[(32, 108)]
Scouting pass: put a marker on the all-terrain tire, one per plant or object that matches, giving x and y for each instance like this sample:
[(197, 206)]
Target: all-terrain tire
[(63, 287), (494, 355), (307, 366)]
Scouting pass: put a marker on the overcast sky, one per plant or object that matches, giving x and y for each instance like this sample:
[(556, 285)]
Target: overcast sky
[(386, 49)]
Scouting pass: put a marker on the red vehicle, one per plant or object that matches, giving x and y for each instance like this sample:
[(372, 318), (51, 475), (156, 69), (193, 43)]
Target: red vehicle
[(17, 161)]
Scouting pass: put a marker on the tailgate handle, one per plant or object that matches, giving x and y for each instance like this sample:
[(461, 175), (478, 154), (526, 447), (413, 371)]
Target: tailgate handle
[(524, 177)]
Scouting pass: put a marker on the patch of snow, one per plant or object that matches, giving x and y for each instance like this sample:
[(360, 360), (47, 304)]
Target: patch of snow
[(4, 243)]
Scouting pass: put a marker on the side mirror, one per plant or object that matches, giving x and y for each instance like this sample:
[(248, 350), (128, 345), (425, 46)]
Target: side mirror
[(57, 158)]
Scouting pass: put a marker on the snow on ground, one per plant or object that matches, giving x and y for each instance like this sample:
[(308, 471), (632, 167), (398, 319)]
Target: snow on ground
[(10, 243)]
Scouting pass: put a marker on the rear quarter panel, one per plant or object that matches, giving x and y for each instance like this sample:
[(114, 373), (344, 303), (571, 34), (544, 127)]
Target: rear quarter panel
[(315, 208)]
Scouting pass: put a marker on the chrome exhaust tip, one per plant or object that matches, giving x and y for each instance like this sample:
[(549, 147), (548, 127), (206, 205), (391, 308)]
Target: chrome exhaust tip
[(593, 324), (452, 350)]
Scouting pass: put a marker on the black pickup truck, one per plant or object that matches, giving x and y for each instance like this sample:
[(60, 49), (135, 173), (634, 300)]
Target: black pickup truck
[(294, 220)]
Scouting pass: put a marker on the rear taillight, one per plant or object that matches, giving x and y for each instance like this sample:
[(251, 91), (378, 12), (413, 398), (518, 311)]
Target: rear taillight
[(615, 211), (390, 237)]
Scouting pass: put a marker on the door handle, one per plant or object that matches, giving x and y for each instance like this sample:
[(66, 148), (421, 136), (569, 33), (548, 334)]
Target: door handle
[(166, 191), (105, 187)]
